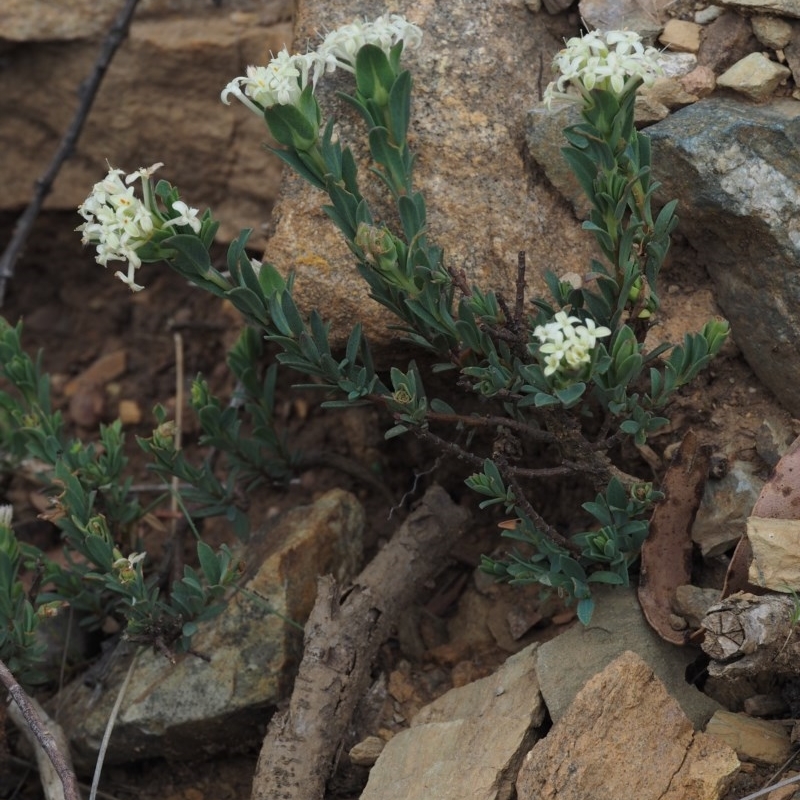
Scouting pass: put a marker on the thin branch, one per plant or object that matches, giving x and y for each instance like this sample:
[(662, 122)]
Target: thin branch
[(541, 524), (567, 468), (43, 736), (476, 421), (44, 184)]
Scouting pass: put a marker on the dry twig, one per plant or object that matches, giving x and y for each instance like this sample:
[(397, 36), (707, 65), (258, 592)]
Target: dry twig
[(50, 749), (43, 185), (343, 634)]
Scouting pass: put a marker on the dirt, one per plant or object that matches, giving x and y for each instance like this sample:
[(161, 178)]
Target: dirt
[(76, 312)]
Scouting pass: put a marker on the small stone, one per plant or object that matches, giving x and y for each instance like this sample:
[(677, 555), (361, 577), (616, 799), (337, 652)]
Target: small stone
[(675, 65), (727, 39), (681, 36), (755, 76), (129, 412), (668, 92), (366, 752), (706, 15), (692, 603), (87, 406), (700, 82), (772, 32), (765, 705), (752, 739), (103, 370), (534, 6), (776, 553)]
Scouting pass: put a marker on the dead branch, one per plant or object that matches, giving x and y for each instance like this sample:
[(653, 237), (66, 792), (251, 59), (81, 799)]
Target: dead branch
[(88, 91), (747, 634), (52, 753), (343, 635)]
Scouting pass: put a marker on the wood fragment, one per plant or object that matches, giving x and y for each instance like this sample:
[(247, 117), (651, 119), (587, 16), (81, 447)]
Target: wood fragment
[(747, 634), (343, 634), (667, 551)]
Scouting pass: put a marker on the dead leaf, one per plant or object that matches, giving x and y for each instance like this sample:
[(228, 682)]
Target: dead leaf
[(667, 551)]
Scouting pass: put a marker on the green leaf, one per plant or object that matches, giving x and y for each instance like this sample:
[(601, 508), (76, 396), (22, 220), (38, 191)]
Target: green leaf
[(585, 609), (208, 563), (571, 394), (374, 74), (290, 127)]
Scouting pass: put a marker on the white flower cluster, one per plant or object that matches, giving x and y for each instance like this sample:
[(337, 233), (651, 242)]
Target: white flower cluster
[(286, 76), (567, 343), (339, 48), (602, 60), (280, 82), (118, 223)]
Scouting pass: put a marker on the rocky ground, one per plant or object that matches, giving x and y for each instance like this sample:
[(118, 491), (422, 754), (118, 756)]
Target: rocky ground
[(113, 354)]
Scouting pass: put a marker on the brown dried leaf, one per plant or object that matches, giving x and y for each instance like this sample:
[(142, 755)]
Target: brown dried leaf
[(667, 551)]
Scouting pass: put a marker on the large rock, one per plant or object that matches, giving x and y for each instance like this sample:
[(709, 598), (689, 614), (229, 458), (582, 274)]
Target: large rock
[(474, 76), (625, 736), (55, 20), (199, 707), (159, 101), (567, 662), (734, 169), (468, 743)]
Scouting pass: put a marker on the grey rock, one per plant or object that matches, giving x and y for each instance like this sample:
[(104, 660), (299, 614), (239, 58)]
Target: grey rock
[(786, 8), (728, 39), (722, 517), (195, 706), (565, 663), (734, 168), (632, 15), (468, 743)]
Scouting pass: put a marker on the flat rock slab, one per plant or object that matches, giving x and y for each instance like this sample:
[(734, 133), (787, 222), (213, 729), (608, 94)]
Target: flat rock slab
[(468, 743), (624, 736), (567, 662), (195, 707)]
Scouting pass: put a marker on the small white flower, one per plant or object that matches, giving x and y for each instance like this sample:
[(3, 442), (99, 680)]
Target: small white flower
[(567, 343), (188, 216), (602, 60)]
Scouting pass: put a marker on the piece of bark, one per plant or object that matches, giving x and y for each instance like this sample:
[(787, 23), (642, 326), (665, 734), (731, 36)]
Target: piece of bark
[(667, 552), (343, 634), (747, 634), (52, 785)]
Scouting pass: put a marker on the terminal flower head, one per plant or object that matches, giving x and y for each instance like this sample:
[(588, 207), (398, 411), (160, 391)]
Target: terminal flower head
[(612, 61), (567, 343), (339, 48), (119, 223), (281, 82)]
